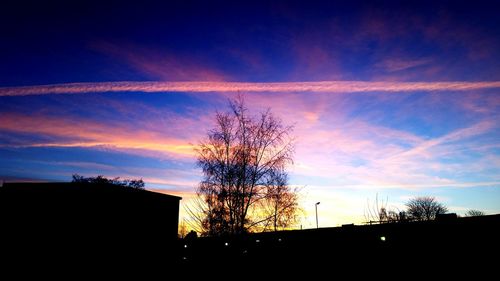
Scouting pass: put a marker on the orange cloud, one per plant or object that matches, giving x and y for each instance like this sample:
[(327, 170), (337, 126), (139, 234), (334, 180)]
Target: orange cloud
[(85, 133)]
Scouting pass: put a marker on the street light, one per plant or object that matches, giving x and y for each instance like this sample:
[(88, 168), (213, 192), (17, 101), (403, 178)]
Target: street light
[(316, 206)]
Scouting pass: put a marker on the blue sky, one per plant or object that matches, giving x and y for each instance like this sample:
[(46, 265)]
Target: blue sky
[(431, 139)]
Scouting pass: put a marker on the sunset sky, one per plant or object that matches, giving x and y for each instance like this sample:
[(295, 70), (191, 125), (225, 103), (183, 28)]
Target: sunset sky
[(386, 99)]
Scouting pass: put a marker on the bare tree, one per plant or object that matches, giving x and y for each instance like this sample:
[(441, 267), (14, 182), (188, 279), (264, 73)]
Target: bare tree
[(376, 212), (244, 160), (183, 229), (379, 212), (280, 206), (474, 213), (197, 211), (424, 208)]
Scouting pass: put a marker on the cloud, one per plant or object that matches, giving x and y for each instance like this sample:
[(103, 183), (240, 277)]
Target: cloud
[(395, 64), (75, 132), (340, 143), (161, 64), (420, 186), (206, 87), (422, 150), (356, 154)]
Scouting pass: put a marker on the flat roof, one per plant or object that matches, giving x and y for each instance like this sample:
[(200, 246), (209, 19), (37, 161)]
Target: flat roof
[(27, 186)]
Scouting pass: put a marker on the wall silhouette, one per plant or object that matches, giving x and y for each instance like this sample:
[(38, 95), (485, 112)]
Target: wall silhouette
[(86, 226)]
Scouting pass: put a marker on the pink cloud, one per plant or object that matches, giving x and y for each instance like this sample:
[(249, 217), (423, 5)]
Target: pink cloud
[(272, 87), (422, 150), (450, 33), (84, 133), (185, 180), (314, 58), (398, 64), (185, 195), (331, 145), (346, 152), (382, 159), (477, 103), (161, 64), (251, 58)]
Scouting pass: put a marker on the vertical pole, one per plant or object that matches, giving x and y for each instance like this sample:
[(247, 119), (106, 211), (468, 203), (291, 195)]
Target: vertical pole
[(316, 205)]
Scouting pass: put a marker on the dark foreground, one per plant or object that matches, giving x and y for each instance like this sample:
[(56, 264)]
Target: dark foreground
[(84, 239), (75, 230), (448, 247)]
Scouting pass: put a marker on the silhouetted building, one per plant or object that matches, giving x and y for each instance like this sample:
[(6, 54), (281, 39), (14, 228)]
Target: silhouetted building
[(419, 247), (67, 221)]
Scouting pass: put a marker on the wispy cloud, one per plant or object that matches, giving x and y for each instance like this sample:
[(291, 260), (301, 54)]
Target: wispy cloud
[(205, 87), (366, 156), (422, 150), (418, 186), (161, 64), (74, 132), (332, 147), (395, 64)]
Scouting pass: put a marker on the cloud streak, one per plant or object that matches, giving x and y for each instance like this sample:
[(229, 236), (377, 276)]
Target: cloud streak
[(74, 132), (205, 87)]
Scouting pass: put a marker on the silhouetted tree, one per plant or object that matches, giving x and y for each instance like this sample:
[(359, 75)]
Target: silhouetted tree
[(378, 212), (280, 207), (191, 235), (197, 210), (424, 208), (474, 213), (244, 161), (182, 229), (137, 184)]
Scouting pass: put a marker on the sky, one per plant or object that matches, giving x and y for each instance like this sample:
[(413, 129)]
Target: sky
[(388, 100)]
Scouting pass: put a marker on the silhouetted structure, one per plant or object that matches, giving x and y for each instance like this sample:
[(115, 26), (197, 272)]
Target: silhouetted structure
[(69, 224), (390, 249)]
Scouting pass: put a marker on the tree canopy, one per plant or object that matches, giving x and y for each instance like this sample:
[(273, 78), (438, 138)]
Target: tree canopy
[(137, 184), (245, 183), (474, 213), (424, 208)]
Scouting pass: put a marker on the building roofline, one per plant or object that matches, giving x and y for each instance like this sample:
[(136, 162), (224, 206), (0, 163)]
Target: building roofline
[(19, 183)]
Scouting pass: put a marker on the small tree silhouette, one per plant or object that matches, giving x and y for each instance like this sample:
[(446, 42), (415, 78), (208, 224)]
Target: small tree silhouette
[(136, 184), (474, 213), (183, 229), (378, 212), (424, 208)]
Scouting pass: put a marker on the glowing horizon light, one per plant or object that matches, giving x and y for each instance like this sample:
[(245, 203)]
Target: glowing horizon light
[(382, 238)]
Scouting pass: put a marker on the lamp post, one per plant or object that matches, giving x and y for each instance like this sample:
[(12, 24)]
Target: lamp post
[(316, 206)]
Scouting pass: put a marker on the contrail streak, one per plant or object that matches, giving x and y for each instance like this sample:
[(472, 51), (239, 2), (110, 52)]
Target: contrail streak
[(203, 87)]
